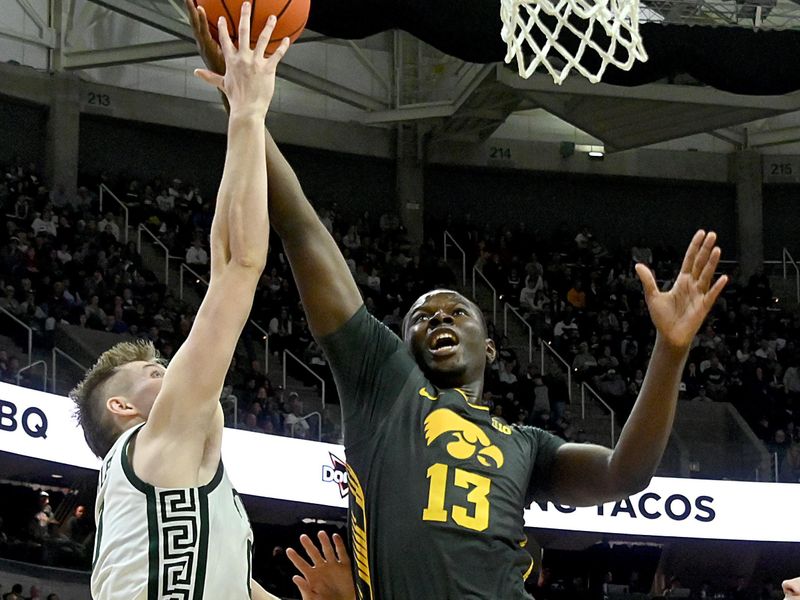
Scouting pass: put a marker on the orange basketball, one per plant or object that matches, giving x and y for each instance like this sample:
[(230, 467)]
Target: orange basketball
[(292, 16)]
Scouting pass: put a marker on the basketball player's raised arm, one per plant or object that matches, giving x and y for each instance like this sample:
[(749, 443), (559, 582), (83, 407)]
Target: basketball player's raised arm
[(584, 474), (187, 408), (329, 293)]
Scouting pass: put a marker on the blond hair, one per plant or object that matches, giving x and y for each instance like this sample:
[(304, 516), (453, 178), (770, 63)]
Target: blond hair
[(90, 395)]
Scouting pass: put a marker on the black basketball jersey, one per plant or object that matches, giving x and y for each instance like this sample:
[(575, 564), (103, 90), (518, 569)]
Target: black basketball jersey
[(437, 485)]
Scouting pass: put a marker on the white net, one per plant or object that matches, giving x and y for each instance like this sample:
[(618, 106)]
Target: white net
[(531, 30)]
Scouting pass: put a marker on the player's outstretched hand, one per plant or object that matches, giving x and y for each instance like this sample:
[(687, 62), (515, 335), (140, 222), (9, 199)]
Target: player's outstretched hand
[(209, 49), (678, 313), (249, 80), (328, 576)]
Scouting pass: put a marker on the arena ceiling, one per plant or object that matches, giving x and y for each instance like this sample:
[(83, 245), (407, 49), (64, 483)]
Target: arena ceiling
[(391, 79)]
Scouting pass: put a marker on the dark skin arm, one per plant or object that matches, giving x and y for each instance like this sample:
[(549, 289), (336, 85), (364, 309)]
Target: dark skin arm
[(329, 293), (586, 474)]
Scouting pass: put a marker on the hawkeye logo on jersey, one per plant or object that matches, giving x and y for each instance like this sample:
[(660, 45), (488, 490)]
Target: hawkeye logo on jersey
[(336, 472), (467, 439)]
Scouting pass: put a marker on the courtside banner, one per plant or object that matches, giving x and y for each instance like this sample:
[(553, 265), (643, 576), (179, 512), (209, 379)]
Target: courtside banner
[(41, 426)]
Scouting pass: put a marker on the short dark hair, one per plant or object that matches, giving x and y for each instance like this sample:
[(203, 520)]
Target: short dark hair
[(89, 395), (474, 305)]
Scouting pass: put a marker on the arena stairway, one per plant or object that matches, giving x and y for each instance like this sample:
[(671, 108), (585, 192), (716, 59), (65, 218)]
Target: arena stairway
[(185, 285)]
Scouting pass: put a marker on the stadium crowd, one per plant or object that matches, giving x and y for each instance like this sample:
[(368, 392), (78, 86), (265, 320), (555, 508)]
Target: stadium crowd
[(61, 261)]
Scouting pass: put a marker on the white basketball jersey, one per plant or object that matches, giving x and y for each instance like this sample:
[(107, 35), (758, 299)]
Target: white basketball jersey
[(168, 544)]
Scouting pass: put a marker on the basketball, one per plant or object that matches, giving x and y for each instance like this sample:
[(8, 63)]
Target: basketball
[(292, 16)]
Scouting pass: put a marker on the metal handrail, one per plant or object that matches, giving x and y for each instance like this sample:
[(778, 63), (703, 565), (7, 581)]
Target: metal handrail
[(264, 336), (508, 307), (475, 271), (29, 367), (307, 368), (23, 325), (158, 243), (584, 387), (104, 188), (546, 346), (305, 418), (56, 351), (776, 469), (463, 256), (785, 254), (201, 279), (195, 274)]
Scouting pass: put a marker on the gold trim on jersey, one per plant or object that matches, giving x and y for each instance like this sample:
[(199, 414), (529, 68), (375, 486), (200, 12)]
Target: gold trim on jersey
[(529, 571), (426, 394), (359, 533), (466, 399)]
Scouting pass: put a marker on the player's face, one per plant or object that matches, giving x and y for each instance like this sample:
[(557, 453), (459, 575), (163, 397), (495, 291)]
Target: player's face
[(143, 383), (447, 337), (791, 589)]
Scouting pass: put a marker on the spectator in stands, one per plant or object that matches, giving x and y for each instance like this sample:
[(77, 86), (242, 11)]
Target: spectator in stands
[(576, 296), (614, 388), (9, 301), (44, 223), (280, 330), (109, 225), (566, 325), (15, 593), (79, 528), (196, 256), (294, 422), (790, 469), (42, 522), (766, 352), (584, 364), (35, 593), (715, 379)]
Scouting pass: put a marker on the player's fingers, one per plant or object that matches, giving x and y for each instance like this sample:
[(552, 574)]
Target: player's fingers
[(299, 562), (218, 81), (202, 18), (228, 49), (244, 27), (265, 36), (715, 291), (302, 585), (703, 254), (691, 251), (327, 547), (311, 550), (648, 281), (710, 268), (191, 10), (341, 550), (280, 51)]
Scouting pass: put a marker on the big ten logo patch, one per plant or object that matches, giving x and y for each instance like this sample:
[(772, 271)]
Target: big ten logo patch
[(336, 472)]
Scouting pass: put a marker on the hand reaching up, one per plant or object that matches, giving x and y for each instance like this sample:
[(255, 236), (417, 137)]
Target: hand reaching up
[(249, 79), (679, 313), (329, 575)]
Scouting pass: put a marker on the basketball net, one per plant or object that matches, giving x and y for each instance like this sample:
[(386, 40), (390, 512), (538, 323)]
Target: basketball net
[(523, 18)]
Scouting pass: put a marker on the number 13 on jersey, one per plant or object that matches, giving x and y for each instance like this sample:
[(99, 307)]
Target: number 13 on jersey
[(476, 516)]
